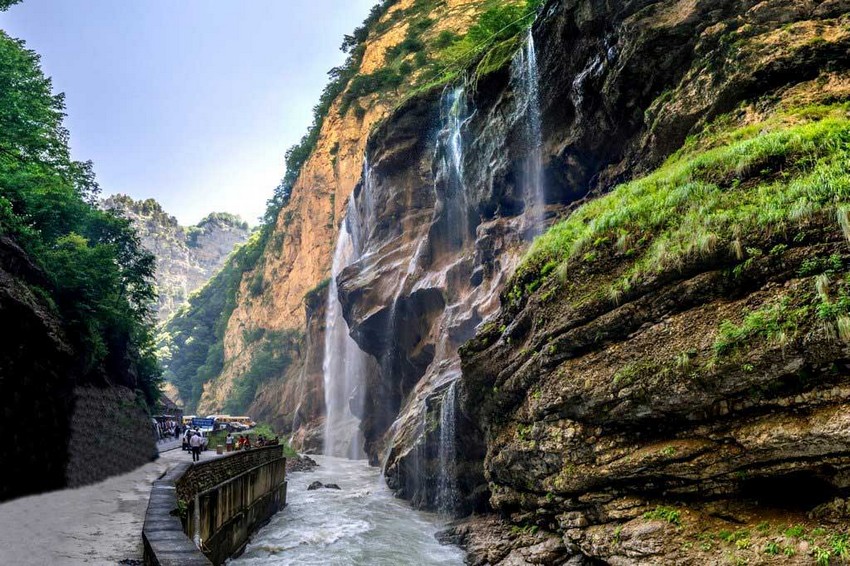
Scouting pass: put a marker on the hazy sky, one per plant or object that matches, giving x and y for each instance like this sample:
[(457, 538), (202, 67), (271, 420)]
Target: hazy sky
[(192, 102)]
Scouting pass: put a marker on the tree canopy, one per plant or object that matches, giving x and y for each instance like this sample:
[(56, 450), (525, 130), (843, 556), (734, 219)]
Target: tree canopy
[(100, 280)]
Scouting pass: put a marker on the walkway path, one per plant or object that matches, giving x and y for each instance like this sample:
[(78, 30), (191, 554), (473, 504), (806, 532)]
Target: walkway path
[(96, 524)]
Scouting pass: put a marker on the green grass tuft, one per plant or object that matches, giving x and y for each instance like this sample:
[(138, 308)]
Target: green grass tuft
[(714, 196), (667, 514)]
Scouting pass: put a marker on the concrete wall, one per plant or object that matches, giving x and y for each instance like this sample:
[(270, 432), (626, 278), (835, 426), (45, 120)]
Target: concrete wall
[(223, 502)]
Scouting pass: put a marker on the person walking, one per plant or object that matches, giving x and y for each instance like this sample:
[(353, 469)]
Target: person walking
[(195, 442), (228, 442)]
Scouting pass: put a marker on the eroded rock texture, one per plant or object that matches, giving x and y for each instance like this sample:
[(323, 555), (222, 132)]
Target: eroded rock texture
[(619, 420), (186, 257)]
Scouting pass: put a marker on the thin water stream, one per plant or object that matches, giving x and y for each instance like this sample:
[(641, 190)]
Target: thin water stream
[(361, 524)]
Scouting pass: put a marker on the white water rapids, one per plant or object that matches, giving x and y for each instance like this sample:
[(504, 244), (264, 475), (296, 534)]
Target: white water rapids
[(362, 524)]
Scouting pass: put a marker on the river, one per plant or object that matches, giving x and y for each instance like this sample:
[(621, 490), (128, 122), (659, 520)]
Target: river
[(362, 524)]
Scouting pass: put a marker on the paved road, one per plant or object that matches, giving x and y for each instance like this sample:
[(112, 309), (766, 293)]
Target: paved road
[(96, 524)]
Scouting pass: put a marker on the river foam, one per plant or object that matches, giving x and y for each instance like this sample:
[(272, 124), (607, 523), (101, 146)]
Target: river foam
[(362, 524)]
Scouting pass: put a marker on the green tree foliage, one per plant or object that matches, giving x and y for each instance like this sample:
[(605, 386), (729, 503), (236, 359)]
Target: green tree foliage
[(191, 344), (223, 218), (100, 280), (270, 362)]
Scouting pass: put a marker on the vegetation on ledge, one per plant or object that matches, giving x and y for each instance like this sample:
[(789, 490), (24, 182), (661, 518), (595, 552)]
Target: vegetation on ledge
[(723, 193)]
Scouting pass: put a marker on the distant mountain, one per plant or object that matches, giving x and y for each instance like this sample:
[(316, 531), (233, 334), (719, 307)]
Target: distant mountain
[(187, 257)]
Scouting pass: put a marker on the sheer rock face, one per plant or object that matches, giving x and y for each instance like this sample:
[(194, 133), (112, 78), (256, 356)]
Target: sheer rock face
[(186, 258), (599, 417), (619, 90), (299, 255)]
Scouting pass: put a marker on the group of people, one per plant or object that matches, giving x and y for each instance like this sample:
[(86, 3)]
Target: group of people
[(166, 429), (243, 442)]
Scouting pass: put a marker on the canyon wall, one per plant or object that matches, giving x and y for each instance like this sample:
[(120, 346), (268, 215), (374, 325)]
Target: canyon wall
[(667, 377), (648, 380), (297, 258), (186, 257), (441, 236)]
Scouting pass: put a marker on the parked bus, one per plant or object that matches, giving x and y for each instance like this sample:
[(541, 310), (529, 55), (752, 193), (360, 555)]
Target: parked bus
[(221, 418), (187, 420)]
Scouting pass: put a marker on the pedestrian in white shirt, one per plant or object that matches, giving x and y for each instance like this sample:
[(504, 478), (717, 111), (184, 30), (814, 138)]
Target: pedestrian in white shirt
[(196, 442)]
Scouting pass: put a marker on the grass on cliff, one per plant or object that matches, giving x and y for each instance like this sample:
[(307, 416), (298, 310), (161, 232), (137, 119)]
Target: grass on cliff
[(779, 322), (722, 192)]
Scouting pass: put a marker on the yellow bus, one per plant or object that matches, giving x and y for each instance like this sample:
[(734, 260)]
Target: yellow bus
[(221, 418), (187, 420)]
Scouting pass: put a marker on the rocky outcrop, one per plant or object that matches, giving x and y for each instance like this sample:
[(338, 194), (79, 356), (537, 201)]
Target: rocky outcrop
[(647, 415), (186, 257)]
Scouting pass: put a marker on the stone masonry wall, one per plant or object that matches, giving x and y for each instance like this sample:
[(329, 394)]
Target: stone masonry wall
[(206, 475), (235, 495), (110, 434)]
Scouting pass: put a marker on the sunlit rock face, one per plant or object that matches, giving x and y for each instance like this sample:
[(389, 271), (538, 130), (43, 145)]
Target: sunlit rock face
[(186, 257), (301, 248)]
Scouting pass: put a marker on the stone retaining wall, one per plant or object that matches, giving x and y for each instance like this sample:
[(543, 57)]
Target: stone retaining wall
[(222, 502)]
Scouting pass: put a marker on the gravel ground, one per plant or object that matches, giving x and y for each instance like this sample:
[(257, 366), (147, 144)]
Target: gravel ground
[(95, 524)]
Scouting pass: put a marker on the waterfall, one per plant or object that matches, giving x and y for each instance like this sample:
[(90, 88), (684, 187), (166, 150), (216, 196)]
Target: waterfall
[(344, 363), (448, 493), (525, 78), (454, 115)]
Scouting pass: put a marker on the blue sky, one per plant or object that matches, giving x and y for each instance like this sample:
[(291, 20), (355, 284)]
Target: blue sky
[(191, 102)]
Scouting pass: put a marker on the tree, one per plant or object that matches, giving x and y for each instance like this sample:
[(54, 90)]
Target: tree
[(100, 279)]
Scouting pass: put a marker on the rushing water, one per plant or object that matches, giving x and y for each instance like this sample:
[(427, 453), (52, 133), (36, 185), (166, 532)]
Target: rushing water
[(454, 114), (525, 77), (363, 524), (344, 363), (448, 452)]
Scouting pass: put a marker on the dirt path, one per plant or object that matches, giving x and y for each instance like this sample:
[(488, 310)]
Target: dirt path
[(96, 524)]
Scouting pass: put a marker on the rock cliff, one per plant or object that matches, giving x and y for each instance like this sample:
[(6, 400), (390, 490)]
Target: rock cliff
[(297, 258), (654, 379), (667, 377), (186, 257)]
